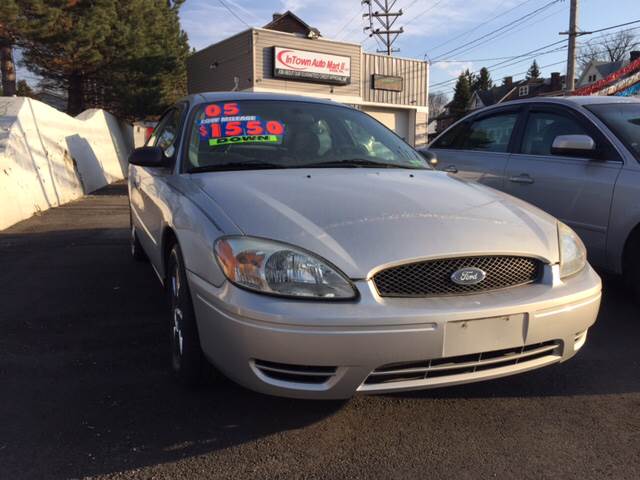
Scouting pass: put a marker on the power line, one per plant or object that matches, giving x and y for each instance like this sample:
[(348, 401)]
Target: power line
[(480, 25), (222, 2), (526, 71), (615, 26), (335, 35), (513, 29), (519, 19), (536, 52), (427, 10), (510, 57), (528, 55)]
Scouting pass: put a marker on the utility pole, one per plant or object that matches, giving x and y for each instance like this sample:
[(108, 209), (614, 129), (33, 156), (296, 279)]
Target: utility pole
[(386, 18), (571, 55)]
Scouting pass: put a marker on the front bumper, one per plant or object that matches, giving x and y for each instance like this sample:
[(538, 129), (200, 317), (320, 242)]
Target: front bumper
[(331, 350)]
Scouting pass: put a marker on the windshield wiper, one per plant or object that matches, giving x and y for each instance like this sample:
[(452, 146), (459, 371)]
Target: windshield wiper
[(246, 165), (356, 163)]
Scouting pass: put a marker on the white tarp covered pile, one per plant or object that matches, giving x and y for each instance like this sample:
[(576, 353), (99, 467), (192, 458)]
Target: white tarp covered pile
[(48, 158)]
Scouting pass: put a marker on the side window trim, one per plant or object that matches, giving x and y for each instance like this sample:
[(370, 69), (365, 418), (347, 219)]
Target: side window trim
[(580, 119)]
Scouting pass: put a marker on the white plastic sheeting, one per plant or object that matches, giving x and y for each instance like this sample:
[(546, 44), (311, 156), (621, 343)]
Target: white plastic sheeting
[(48, 158)]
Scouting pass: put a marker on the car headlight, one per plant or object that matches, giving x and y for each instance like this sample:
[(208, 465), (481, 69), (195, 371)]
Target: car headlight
[(275, 268), (573, 255)]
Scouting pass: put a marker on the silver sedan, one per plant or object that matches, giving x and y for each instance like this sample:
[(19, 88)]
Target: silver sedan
[(307, 251)]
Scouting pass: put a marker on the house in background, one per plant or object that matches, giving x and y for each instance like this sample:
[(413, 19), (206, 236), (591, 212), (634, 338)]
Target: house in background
[(510, 90), (596, 71), (289, 22)]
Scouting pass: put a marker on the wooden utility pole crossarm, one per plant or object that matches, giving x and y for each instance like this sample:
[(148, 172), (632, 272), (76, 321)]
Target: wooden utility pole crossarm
[(386, 18)]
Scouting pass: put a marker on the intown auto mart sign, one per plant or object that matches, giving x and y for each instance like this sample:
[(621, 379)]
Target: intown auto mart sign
[(311, 66)]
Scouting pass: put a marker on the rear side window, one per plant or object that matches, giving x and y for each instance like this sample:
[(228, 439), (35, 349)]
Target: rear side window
[(490, 134), (542, 129)]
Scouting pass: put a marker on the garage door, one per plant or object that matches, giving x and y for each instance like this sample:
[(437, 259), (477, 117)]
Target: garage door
[(396, 120)]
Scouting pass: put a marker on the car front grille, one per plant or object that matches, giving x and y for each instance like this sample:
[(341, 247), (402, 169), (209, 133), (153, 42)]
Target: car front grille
[(284, 372), (433, 277), (445, 370)]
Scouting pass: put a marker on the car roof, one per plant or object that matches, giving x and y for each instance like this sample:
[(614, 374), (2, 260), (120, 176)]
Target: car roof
[(204, 97), (571, 100)]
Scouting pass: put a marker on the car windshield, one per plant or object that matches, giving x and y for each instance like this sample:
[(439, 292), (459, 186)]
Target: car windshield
[(256, 134), (624, 120)]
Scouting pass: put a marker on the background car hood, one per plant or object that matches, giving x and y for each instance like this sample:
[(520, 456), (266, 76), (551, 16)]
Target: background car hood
[(361, 219)]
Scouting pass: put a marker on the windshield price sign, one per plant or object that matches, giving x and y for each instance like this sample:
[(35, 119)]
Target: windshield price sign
[(225, 124), (311, 66)]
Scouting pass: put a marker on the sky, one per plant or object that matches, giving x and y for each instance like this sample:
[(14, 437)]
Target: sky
[(434, 29)]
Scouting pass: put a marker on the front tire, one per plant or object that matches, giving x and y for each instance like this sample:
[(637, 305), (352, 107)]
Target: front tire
[(187, 360)]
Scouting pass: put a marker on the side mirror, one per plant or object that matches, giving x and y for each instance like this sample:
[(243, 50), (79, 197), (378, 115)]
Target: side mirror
[(574, 145), (148, 157), (430, 157)]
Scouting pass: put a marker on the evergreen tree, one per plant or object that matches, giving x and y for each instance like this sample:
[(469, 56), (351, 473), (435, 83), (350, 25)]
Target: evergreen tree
[(482, 80), (148, 71), (533, 72), (64, 41), (128, 57), (461, 96), (471, 78)]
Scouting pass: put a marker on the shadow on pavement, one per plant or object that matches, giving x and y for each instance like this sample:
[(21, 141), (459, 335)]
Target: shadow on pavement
[(84, 366), (119, 188)]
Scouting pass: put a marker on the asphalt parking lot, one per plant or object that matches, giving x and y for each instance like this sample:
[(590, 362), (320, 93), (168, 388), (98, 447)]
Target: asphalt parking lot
[(85, 387)]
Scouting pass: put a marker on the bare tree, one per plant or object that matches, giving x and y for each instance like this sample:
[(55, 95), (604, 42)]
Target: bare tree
[(608, 49), (437, 101)]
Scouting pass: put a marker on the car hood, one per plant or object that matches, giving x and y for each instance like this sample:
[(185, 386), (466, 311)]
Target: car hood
[(363, 219)]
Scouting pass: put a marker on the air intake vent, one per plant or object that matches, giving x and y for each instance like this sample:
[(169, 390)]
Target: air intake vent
[(295, 373), (461, 365), (433, 277)]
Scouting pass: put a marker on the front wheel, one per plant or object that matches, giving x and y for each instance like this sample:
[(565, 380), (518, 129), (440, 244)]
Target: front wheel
[(187, 360)]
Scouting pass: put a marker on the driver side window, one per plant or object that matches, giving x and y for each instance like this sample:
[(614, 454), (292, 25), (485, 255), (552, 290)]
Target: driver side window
[(166, 133)]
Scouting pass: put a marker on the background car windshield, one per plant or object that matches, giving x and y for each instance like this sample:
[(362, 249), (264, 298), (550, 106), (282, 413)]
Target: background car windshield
[(624, 120), (285, 134)]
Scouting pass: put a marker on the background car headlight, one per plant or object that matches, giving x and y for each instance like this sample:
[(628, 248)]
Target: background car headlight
[(573, 255), (271, 267)]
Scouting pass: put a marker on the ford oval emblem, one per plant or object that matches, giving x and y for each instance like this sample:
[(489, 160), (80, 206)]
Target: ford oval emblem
[(468, 276)]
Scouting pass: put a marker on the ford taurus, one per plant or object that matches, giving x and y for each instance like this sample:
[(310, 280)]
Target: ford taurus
[(307, 251)]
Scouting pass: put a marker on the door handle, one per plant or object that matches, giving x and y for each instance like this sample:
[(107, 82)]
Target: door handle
[(451, 169), (136, 183), (522, 178)]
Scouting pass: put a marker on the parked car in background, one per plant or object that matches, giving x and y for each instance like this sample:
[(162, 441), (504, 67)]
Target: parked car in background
[(308, 251), (577, 158)]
